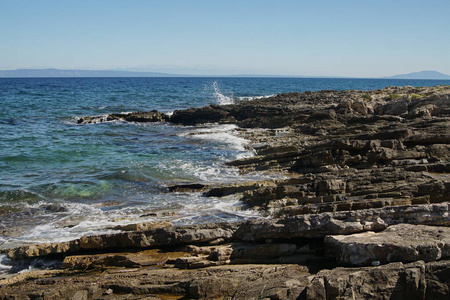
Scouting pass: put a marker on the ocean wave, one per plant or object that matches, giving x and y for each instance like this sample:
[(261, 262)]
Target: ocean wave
[(223, 134), (47, 222), (8, 121), (18, 195), (24, 92), (194, 170), (219, 97), (200, 210)]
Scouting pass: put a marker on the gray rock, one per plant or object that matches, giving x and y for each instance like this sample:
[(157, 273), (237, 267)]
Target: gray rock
[(164, 236), (393, 281), (343, 223), (398, 243), (140, 116)]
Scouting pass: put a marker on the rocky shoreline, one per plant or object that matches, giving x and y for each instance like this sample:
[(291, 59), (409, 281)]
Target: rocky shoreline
[(362, 214)]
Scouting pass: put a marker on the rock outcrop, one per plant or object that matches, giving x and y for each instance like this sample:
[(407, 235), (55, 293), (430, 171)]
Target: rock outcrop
[(403, 242), (162, 236), (362, 211), (350, 150), (140, 116)]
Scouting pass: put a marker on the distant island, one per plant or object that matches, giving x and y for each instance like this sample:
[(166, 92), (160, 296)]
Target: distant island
[(20, 73), (420, 75)]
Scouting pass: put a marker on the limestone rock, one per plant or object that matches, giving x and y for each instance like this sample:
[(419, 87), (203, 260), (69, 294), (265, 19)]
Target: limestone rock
[(144, 258), (232, 282), (143, 226), (195, 116), (167, 236), (398, 243), (393, 281), (343, 223), (418, 280)]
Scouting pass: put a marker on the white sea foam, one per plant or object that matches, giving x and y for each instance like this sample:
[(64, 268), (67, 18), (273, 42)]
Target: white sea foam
[(79, 219), (5, 264), (222, 134), (212, 209), (219, 97), (190, 169), (232, 206), (254, 97), (232, 142), (93, 120)]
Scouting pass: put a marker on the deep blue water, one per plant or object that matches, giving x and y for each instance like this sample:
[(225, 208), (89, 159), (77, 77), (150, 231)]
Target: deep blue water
[(60, 180)]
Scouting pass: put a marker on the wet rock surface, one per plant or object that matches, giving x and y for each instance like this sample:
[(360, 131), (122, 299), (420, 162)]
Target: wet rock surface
[(140, 116), (363, 211)]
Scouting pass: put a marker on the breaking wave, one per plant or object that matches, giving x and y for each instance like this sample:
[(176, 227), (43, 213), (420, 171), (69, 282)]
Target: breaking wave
[(219, 97)]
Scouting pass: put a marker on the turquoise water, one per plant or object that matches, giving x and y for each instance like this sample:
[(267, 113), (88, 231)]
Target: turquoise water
[(60, 180)]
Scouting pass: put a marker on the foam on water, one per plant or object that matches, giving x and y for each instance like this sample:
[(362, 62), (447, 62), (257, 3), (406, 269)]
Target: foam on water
[(5, 264), (220, 98), (70, 219), (222, 134), (248, 98), (212, 209), (77, 219), (220, 137)]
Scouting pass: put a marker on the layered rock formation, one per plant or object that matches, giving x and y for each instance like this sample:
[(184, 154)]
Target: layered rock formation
[(362, 214)]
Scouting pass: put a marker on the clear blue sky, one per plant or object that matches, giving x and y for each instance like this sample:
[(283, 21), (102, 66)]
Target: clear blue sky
[(360, 38)]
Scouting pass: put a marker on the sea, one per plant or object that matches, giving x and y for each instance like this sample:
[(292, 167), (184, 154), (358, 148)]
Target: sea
[(60, 180)]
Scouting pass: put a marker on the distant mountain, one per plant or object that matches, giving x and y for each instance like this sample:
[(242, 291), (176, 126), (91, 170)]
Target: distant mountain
[(420, 75), (79, 73)]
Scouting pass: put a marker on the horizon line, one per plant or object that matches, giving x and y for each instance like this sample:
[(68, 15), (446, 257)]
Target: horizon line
[(155, 74)]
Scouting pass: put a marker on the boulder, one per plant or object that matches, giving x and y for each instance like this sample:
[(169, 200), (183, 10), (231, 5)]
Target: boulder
[(195, 116)]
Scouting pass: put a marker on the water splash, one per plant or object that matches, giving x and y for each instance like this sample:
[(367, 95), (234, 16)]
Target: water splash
[(220, 98)]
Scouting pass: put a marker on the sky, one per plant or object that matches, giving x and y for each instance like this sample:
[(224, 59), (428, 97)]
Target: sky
[(351, 38)]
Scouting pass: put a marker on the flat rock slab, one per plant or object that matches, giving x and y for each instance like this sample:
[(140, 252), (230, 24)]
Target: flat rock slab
[(152, 257), (223, 282), (418, 280), (398, 243)]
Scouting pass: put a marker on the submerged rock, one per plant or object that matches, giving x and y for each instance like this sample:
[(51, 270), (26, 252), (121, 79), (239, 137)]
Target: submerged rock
[(140, 116)]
